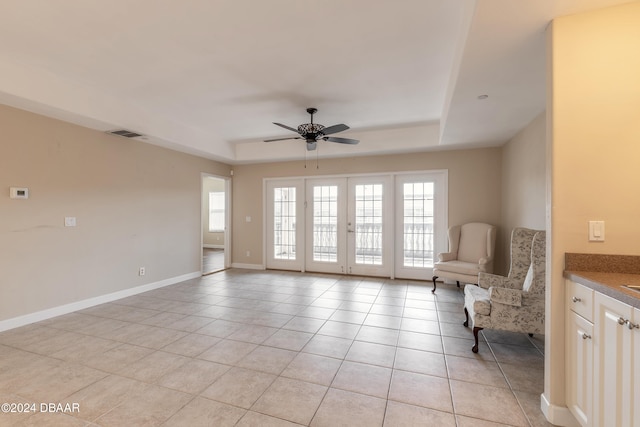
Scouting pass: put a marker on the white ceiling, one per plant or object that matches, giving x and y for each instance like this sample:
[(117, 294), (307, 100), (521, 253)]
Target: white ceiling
[(209, 77)]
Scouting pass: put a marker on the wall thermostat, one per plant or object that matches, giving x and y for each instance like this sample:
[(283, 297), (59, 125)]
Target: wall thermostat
[(19, 193)]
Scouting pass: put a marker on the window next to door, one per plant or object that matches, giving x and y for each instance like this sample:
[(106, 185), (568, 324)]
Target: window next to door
[(216, 211)]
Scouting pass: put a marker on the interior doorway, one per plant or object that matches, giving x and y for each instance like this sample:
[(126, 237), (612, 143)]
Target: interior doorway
[(215, 217)]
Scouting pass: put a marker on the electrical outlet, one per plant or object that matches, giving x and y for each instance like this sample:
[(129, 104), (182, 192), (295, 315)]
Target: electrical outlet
[(248, 254), (141, 271)]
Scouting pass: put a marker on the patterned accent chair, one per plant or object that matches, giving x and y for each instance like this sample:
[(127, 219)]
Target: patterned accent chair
[(514, 303), (471, 249)]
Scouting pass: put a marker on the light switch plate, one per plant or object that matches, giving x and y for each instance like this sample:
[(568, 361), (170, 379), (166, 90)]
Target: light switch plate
[(596, 231), (69, 221)]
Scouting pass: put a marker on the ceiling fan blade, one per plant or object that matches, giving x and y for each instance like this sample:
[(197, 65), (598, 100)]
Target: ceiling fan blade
[(281, 139), (340, 140), (335, 129), (286, 127)]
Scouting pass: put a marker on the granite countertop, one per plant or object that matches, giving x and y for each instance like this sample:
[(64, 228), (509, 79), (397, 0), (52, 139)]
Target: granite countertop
[(606, 274)]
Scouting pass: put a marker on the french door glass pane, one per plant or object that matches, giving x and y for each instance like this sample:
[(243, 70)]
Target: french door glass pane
[(368, 227), (325, 223), (418, 224), (284, 223)]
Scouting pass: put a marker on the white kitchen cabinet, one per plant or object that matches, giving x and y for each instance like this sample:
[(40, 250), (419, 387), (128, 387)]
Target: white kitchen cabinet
[(613, 362), (580, 368), (579, 352), (602, 359)]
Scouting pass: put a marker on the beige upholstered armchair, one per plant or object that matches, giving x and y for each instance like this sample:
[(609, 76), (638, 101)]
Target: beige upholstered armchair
[(514, 303), (471, 248)]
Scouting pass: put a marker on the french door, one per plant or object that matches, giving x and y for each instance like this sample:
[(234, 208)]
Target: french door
[(421, 223), (349, 225), (285, 224)]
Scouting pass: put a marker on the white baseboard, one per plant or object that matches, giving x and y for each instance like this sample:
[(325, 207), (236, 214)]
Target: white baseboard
[(209, 246), (557, 415), (248, 266), (38, 316)]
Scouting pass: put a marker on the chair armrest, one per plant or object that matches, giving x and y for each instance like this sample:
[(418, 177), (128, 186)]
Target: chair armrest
[(487, 280), (446, 256), (485, 261), (506, 296)]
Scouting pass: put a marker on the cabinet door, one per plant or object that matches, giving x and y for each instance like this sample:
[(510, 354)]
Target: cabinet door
[(580, 368), (612, 360)]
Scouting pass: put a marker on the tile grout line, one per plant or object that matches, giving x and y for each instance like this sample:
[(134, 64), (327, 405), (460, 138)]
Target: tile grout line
[(446, 365)]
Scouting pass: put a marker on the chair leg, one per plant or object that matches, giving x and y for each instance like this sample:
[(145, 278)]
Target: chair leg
[(475, 337), (458, 283), (434, 284), (466, 322)]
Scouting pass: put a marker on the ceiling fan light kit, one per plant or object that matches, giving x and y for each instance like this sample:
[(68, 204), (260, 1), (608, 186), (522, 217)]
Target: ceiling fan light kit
[(313, 132)]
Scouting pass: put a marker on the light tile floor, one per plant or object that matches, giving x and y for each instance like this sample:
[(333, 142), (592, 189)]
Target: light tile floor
[(272, 348)]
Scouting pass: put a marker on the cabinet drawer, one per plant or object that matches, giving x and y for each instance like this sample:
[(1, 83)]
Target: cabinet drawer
[(580, 299)]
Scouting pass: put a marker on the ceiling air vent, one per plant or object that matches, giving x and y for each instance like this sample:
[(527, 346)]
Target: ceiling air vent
[(124, 132)]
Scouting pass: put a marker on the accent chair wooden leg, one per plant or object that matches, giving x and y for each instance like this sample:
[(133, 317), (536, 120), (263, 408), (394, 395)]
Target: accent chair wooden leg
[(475, 337), (458, 283), (434, 284), (466, 322)]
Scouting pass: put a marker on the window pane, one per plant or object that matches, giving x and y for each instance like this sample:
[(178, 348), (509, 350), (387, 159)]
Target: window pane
[(325, 223), (368, 224), (216, 211), (418, 224), (284, 223)]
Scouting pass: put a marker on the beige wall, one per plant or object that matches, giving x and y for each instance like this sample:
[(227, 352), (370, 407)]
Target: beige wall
[(474, 188), (209, 184), (523, 182), (136, 205), (594, 125)]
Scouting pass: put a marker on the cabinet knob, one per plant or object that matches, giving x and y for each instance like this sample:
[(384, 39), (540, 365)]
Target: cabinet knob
[(622, 321), (586, 336), (633, 325), (576, 299)]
